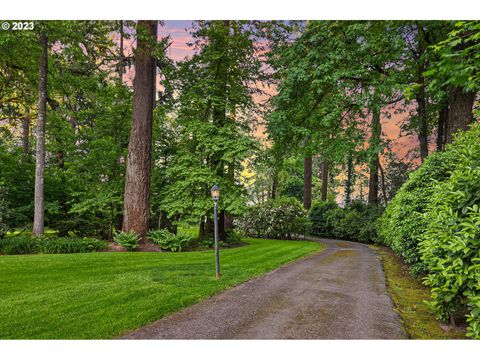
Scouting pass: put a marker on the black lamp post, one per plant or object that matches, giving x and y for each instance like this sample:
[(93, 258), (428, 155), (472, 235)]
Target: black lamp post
[(215, 190)]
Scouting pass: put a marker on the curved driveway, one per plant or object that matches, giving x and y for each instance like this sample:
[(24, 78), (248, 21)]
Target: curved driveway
[(339, 293)]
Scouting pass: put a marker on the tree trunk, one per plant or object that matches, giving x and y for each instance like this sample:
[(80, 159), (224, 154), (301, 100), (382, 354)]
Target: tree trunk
[(39, 212), (228, 223), (136, 209), (307, 182), (26, 132), (460, 111), (374, 160), (384, 189), (349, 180), (324, 180), (121, 58), (273, 194), (442, 127), (421, 97), (422, 117)]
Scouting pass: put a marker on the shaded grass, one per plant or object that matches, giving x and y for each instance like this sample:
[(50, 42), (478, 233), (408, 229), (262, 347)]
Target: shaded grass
[(409, 294), (102, 295)]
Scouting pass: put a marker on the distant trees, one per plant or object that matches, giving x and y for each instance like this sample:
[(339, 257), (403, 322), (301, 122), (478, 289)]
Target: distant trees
[(338, 80), (110, 156)]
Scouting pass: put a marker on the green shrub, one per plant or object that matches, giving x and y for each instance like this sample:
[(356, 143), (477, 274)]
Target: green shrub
[(450, 244), (355, 222), (128, 240), (278, 219), (209, 242), (318, 219), (233, 237), (403, 223), (5, 213), (69, 245), (169, 241), (17, 245)]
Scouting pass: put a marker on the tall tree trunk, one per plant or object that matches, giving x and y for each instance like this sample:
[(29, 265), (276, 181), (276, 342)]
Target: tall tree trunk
[(121, 58), (307, 182), (273, 194), (374, 160), (324, 180), (421, 99), (384, 188), (460, 111), (442, 127), (26, 132), (422, 116), (349, 180), (229, 217), (136, 208), (39, 212)]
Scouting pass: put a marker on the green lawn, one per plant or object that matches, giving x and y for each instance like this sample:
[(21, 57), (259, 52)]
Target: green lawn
[(102, 295)]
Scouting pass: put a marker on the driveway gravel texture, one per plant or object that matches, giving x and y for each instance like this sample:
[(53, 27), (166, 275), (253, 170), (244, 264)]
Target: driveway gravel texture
[(338, 293)]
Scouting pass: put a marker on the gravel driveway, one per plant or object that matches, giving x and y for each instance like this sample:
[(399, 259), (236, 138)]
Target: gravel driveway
[(339, 293)]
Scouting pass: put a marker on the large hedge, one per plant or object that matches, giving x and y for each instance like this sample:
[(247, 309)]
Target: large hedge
[(282, 218), (402, 223), (434, 224), (450, 246), (354, 222)]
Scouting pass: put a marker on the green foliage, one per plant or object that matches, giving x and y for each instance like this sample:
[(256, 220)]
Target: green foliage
[(129, 240), (460, 56), (209, 243), (25, 244), (318, 218), (5, 213), (403, 222), (214, 107), (355, 222), (450, 244), (68, 245), (233, 237), (17, 245), (169, 241), (278, 219)]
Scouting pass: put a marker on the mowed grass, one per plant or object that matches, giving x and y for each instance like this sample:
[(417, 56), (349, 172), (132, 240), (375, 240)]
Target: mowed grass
[(102, 295)]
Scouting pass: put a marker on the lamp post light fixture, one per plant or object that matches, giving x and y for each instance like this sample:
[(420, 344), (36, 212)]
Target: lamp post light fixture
[(215, 190)]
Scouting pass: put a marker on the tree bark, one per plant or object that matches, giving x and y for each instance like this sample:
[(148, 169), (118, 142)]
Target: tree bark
[(349, 180), (121, 56), (442, 127), (421, 100), (324, 180), (228, 223), (307, 182), (26, 132), (374, 160), (39, 212), (136, 209), (384, 189), (422, 116), (121, 59), (460, 112), (273, 194)]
